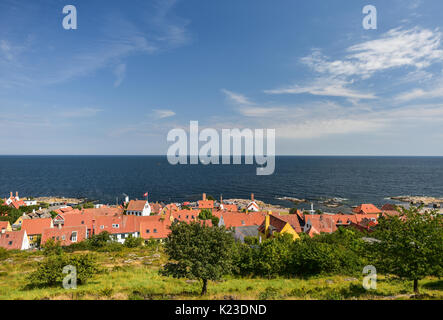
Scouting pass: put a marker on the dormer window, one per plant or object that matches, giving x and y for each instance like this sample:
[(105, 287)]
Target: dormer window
[(116, 225)]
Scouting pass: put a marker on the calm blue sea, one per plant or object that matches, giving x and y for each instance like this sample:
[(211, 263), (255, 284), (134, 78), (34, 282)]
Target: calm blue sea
[(103, 178)]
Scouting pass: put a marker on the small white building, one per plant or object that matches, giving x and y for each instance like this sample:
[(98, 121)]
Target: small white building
[(138, 208)]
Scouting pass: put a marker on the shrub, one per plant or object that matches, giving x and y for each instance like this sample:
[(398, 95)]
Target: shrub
[(133, 242), (52, 247), (50, 271)]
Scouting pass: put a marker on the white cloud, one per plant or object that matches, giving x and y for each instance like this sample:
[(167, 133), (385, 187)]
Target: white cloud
[(331, 87), (415, 47), (237, 98), (161, 114), (420, 94)]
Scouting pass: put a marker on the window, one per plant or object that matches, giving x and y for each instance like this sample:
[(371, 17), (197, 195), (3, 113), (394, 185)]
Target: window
[(74, 236), (83, 222), (10, 243), (147, 231), (116, 225), (243, 222), (155, 230), (102, 227), (63, 237)]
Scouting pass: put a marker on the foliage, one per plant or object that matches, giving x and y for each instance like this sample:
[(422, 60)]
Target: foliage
[(133, 242), (336, 253), (88, 205), (206, 214), (197, 251), (293, 210), (50, 271), (411, 245), (52, 247)]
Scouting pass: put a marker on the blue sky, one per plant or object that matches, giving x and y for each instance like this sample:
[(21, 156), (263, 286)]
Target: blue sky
[(134, 70)]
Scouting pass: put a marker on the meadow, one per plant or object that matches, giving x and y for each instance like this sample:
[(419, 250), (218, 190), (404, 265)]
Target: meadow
[(133, 273)]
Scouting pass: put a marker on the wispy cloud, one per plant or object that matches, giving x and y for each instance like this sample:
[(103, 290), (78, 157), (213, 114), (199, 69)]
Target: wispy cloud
[(119, 73), (161, 113), (236, 97), (330, 86)]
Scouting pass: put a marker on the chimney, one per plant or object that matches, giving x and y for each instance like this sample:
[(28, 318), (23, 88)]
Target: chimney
[(10, 194), (204, 196), (59, 225), (16, 194), (221, 199), (252, 197)]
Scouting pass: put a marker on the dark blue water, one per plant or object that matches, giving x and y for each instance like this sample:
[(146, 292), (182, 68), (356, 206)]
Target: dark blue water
[(358, 179)]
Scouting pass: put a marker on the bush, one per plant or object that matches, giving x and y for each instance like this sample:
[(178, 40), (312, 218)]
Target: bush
[(133, 242), (50, 271), (52, 247)]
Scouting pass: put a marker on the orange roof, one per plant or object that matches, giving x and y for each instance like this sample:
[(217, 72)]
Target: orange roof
[(155, 227), (64, 235), (18, 204), (275, 223), (186, 215), (240, 219), (4, 225), (321, 223), (366, 209), (292, 220), (206, 204), (136, 205), (12, 240), (116, 224), (36, 226)]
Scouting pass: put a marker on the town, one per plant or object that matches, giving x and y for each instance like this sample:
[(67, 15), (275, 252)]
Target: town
[(151, 221)]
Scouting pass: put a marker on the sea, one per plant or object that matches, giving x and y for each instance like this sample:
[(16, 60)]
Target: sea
[(106, 179)]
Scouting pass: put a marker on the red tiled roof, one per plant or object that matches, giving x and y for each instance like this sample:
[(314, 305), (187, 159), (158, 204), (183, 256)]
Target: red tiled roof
[(36, 226), (155, 227), (240, 219), (186, 215), (275, 223), (136, 205), (321, 223), (292, 219), (64, 235), (12, 240), (4, 225), (126, 224), (366, 209), (206, 204), (18, 204)]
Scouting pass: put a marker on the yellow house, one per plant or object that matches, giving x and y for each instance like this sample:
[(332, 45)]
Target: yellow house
[(18, 223), (5, 226), (273, 225)]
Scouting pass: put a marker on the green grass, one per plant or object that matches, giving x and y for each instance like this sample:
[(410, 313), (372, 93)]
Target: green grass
[(133, 274)]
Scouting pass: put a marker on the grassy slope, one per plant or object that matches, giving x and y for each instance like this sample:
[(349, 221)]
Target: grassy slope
[(133, 274)]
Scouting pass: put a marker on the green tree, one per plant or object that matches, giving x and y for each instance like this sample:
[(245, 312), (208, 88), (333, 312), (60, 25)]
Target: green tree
[(206, 214), (197, 251), (293, 210), (411, 245)]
